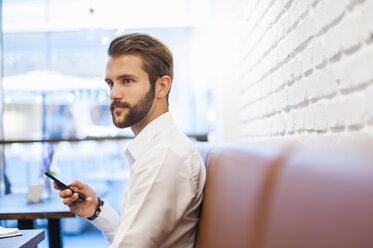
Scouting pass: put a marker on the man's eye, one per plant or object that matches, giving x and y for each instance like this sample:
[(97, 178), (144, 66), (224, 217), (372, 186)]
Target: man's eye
[(128, 81), (110, 84)]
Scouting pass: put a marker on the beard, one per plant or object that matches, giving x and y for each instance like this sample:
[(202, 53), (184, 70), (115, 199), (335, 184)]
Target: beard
[(136, 112)]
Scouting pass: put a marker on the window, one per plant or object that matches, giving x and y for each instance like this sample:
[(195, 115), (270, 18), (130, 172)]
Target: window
[(54, 95)]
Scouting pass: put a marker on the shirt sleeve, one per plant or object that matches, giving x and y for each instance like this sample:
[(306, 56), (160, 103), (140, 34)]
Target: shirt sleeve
[(159, 194), (107, 221)]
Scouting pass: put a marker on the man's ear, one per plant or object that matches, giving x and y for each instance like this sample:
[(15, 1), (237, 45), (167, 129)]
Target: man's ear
[(162, 86)]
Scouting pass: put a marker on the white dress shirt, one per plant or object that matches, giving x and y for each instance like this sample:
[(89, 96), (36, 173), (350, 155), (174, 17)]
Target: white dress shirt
[(164, 192)]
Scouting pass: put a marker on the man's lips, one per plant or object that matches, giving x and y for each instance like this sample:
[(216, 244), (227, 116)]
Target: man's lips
[(118, 106)]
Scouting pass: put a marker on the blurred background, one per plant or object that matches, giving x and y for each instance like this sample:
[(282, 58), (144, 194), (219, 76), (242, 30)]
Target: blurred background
[(55, 101), (287, 71)]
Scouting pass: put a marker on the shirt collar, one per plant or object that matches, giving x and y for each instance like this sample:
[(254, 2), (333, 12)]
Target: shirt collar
[(141, 142)]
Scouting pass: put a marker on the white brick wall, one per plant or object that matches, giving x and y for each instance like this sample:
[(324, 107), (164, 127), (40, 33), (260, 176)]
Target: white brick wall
[(306, 68)]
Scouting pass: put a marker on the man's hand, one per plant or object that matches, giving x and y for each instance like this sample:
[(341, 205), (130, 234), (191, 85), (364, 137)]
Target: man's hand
[(77, 206)]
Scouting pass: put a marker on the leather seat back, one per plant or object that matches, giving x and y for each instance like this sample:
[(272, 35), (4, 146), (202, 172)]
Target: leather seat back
[(235, 184), (262, 196), (321, 198)]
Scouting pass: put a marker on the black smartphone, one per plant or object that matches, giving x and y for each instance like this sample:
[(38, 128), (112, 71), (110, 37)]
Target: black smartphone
[(62, 185)]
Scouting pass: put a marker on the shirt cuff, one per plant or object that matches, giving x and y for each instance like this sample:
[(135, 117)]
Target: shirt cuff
[(107, 221)]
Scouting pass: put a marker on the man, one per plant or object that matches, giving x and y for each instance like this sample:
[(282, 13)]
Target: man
[(164, 192)]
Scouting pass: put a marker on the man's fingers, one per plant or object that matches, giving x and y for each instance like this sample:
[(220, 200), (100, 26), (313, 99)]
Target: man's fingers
[(75, 189), (67, 201), (77, 184), (70, 200), (56, 186), (65, 193)]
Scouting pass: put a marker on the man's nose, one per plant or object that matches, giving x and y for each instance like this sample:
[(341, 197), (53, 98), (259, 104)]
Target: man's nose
[(115, 92)]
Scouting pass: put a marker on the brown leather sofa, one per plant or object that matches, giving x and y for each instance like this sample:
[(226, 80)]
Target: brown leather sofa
[(267, 196)]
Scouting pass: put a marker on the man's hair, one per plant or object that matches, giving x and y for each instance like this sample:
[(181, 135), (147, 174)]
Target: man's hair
[(156, 57)]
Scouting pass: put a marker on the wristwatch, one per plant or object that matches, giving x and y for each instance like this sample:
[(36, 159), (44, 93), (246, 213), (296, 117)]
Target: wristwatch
[(98, 210)]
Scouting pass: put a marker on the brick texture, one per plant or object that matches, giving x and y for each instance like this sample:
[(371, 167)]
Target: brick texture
[(306, 68)]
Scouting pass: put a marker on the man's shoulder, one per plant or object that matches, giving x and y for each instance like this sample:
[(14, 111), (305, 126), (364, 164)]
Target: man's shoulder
[(177, 142), (171, 141)]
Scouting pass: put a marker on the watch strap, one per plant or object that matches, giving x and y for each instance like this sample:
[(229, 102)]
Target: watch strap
[(98, 210)]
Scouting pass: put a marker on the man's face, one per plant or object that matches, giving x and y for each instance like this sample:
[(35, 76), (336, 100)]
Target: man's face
[(130, 91)]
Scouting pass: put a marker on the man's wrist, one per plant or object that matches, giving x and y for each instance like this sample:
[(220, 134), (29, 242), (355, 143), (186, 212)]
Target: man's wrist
[(98, 209)]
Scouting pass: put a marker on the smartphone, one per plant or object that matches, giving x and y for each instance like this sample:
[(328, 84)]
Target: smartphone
[(62, 185)]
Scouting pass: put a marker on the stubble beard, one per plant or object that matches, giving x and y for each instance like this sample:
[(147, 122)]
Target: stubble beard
[(136, 112)]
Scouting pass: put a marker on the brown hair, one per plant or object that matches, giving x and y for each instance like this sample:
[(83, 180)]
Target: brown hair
[(156, 57)]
